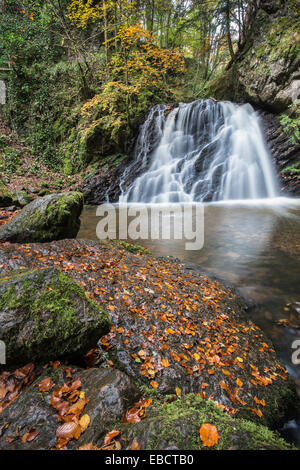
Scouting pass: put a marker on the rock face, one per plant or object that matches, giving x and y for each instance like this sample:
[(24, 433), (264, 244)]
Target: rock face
[(109, 393), (6, 199), (285, 153), (53, 217), (44, 315), (267, 69), (172, 327), (176, 426)]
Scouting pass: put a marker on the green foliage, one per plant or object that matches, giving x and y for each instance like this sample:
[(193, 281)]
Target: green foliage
[(291, 124), (9, 157)]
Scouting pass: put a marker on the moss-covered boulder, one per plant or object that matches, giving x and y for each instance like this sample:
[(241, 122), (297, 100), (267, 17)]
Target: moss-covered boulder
[(266, 69), (6, 199), (177, 425), (53, 217), (45, 315)]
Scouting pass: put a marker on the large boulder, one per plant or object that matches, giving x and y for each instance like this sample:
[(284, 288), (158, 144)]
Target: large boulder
[(6, 199), (52, 217), (44, 315), (176, 426), (266, 70), (108, 393)]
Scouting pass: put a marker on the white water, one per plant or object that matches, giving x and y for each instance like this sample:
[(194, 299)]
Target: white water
[(201, 151)]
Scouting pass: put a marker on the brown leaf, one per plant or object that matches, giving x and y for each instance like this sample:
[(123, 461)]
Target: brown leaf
[(135, 445), (46, 385), (110, 435), (29, 436), (68, 431), (88, 446)]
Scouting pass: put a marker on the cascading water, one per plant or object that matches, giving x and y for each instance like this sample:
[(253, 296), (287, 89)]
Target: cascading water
[(201, 151)]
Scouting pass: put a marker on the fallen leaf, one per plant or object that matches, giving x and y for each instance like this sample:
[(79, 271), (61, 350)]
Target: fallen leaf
[(110, 435), (135, 445), (84, 421), (46, 385), (209, 435)]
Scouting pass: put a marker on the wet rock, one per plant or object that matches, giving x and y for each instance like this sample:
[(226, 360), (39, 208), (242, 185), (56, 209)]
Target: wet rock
[(44, 315), (110, 393), (12, 209), (6, 199), (173, 327), (33, 190), (22, 198), (176, 425), (45, 219), (283, 151)]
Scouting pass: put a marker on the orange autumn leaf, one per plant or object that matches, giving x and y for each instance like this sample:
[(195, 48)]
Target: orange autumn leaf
[(88, 446), (257, 412), (110, 436), (209, 435), (165, 363), (178, 392), (29, 436), (169, 331), (137, 413), (135, 445), (154, 384), (259, 402), (84, 421), (239, 382), (46, 385)]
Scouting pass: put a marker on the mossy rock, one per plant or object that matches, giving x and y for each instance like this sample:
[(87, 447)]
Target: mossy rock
[(6, 199), (176, 425), (53, 217), (45, 315), (22, 199)]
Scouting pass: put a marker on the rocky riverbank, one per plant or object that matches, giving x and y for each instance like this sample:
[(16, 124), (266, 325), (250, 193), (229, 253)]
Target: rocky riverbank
[(180, 353)]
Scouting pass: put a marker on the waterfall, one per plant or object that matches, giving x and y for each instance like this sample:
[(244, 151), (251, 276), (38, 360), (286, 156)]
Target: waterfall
[(200, 151)]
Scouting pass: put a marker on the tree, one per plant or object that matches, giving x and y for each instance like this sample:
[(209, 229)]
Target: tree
[(138, 74)]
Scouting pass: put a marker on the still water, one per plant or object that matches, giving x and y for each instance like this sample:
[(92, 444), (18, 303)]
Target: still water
[(255, 246)]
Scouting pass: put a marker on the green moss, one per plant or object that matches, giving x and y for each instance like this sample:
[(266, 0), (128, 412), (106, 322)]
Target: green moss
[(179, 422), (6, 199), (48, 301), (46, 220), (130, 247), (293, 168)]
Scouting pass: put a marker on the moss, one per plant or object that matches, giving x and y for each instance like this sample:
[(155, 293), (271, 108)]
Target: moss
[(6, 199), (179, 423), (130, 247), (49, 302), (46, 220), (293, 168)]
